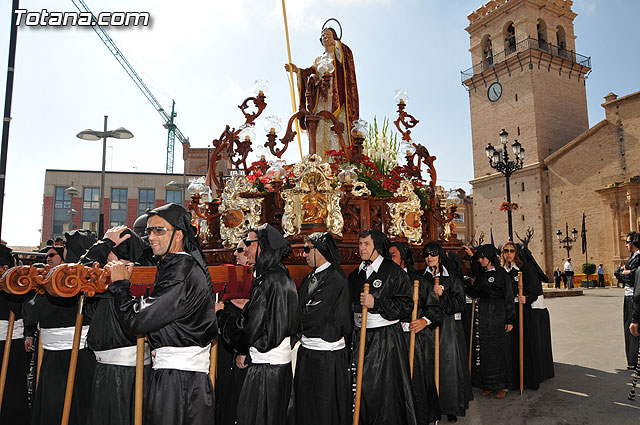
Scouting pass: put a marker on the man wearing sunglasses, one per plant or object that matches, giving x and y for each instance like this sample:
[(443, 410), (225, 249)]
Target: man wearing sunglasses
[(54, 255), (178, 320), (628, 278), (322, 380)]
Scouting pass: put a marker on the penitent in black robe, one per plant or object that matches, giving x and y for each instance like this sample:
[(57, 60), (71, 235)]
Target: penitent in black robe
[(229, 377), (179, 313), (270, 316), (15, 408), (455, 383), (491, 362), (538, 357), (56, 312), (322, 382), (113, 389), (387, 395), (425, 394)]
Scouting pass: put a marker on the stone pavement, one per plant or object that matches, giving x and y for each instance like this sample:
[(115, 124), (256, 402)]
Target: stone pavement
[(591, 383)]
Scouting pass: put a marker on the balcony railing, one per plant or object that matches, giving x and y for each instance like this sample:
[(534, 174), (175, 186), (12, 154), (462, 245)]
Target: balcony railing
[(524, 45)]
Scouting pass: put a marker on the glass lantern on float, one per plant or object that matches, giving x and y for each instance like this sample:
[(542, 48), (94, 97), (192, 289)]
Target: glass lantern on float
[(360, 128), (325, 65), (196, 186), (348, 174), (276, 170), (402, 96), (261, 87), (273, 125)]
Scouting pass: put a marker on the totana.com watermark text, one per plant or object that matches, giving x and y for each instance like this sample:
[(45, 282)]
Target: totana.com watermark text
[(44, 18)]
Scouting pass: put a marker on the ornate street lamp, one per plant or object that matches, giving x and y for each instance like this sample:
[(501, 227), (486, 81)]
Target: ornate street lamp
[(506, 166), (119, 133), (567, 241)]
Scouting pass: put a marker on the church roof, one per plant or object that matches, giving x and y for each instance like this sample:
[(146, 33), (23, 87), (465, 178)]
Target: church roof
[(576, 141)]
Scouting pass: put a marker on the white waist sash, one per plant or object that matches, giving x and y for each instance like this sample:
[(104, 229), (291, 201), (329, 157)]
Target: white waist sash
[(18, 329), (58, 339), (319, 344), (628, 291), (539, 303), (279, 355), (191, 359), (373, 320), (123, 356)]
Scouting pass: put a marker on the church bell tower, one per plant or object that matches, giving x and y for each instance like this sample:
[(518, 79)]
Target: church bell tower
[(528, 79)]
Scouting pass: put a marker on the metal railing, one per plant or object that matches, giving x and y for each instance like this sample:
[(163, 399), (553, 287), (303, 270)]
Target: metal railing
[(524, 45)]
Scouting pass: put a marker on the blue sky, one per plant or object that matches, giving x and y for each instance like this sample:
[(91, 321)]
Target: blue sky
[(206, 56)]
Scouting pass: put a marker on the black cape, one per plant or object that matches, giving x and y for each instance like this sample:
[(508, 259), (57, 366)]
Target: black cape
[(15, 408), (387, 394), (455, 384), (270, 316), (322, 380), (491, 362), (179, 313), (56, 312), (425, 394)]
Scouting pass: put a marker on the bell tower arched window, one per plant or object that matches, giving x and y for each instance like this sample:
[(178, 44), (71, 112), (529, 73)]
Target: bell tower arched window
[(509, 39), (543, 43), (487, 53), (561, 41)]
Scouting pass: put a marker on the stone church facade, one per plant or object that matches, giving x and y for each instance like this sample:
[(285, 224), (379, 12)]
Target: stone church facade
[(528, 79)]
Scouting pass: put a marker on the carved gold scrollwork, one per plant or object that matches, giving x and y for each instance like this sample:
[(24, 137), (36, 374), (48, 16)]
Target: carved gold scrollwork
[(360, 189), (405, 216), (238, 214), (312, 200)]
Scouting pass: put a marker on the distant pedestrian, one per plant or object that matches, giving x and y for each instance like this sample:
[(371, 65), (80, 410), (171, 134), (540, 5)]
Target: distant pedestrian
[(568, 272), (601, 276), (557, 275)]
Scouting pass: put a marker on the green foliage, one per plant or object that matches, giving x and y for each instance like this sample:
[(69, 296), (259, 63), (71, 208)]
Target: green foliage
[(588, 268)]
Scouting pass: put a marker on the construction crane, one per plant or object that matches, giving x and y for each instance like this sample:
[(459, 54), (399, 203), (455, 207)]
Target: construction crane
[(169, 123)]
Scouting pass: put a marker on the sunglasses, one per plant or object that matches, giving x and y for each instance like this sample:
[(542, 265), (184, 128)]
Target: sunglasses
[(240, 249), (626, 242), (156, 230), (52, 254), (431, 254), (507, 250), (248, 242), (307, 248)]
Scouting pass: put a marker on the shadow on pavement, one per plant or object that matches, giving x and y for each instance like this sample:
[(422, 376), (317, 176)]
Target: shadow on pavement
[(577, 395)]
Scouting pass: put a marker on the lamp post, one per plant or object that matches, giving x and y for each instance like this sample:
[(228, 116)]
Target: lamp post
[(567, 241), (119, 133), (506, 166), (71, 192)]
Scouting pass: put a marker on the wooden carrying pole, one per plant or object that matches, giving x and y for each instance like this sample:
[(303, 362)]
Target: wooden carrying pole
[(363, 334), (436, 366), (139, 379), (521, 333), (73, 363), (414, 317), (473, 311), (5, 357), (213, 362)]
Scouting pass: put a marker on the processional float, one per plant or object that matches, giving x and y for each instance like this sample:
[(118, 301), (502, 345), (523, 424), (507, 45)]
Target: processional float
[(326, 191)]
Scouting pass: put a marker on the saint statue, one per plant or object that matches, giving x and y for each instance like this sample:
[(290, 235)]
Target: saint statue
[(314, 206), (339, 97)]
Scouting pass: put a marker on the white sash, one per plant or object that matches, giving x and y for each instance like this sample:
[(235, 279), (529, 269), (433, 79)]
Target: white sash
[(123, 356), (58, 339), (628, 291), (539, 303), (18, 329), (191, 359), (319, 344), (279, 355), (373, 320)]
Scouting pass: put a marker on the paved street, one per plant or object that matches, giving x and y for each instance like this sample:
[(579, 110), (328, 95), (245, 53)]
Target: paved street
[(591, 383)]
